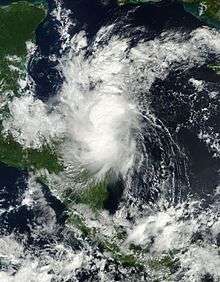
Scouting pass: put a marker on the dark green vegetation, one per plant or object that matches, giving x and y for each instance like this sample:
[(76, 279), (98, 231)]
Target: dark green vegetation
[(139, 259), (211, 7), (111, 246), (215, 68), (13, 154), (207, 10), (167, 261), (18, 24), (94, 196)]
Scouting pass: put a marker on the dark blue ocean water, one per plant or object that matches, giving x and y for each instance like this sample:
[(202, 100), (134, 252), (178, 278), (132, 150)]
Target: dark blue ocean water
[(91, 15)]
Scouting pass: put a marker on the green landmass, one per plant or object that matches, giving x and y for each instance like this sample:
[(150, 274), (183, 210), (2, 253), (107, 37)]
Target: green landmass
[(139, 258), (206, 10), (94, 196), (215, 68), (167, 261), (110, 245), (18, 23), (13, 154)]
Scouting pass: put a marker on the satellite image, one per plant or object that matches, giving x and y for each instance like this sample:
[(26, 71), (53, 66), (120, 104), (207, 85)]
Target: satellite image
[(109, 140)]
